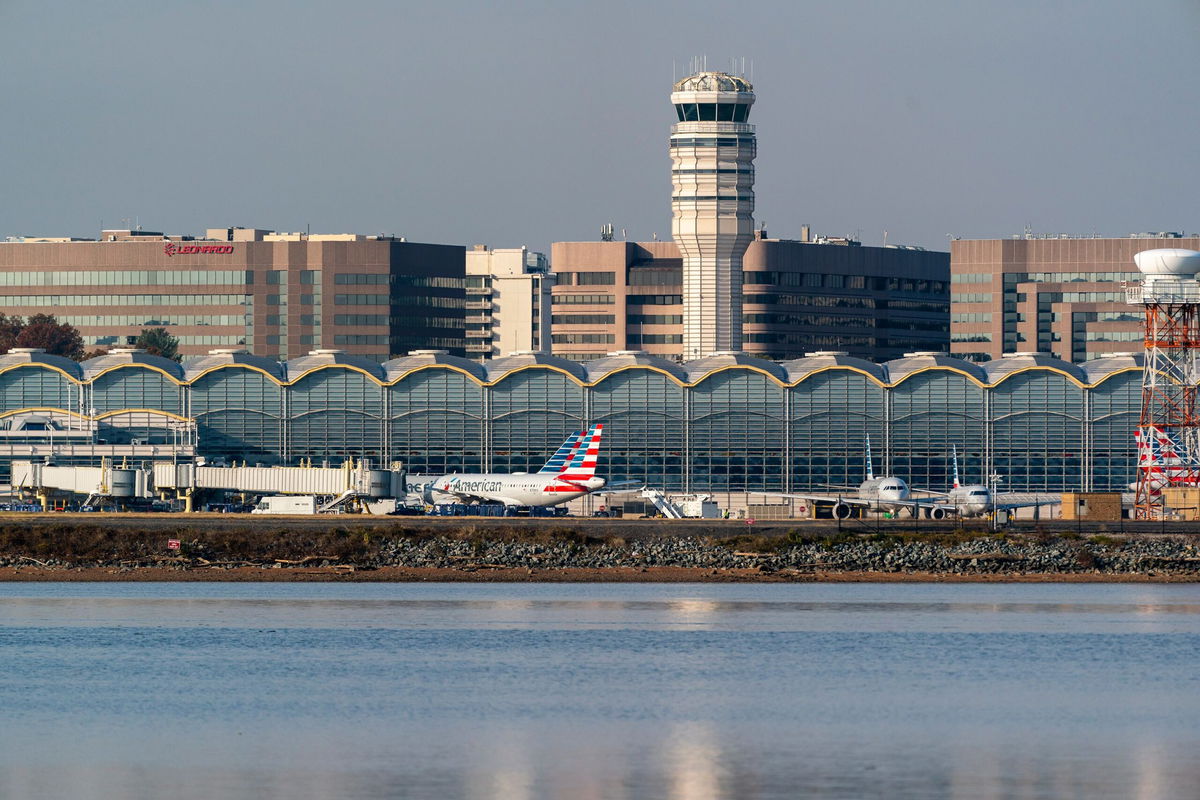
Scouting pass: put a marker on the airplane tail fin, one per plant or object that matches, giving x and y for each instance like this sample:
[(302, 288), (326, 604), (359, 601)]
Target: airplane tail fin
[(583, 463), (562, 457), (955, 451), (870, 469)]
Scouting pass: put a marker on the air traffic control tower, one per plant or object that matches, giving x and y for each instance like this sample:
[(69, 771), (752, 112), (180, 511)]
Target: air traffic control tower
[(712, 203)]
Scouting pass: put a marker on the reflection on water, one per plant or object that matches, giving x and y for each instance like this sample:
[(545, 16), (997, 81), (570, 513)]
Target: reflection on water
[(598, 691)]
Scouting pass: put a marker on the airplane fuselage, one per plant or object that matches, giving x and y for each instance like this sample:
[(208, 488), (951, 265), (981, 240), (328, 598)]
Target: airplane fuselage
[(884, 494), (970, 501), (511, 489)]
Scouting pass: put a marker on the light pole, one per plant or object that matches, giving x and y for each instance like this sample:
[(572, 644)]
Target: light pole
[(995, 479)]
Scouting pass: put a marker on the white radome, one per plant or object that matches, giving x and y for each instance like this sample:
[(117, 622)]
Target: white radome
[(1173, 262)]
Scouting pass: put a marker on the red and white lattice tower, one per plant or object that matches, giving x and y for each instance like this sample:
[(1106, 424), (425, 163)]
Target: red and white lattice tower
[(1168, 432)]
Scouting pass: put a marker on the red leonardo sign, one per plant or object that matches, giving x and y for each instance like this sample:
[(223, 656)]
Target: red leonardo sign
[(172, 544), (172, 249)]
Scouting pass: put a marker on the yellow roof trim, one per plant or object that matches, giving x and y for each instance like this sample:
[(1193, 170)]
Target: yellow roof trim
[(40, 410), (250, 367), (150, 367), (28, 364), (156, 412)]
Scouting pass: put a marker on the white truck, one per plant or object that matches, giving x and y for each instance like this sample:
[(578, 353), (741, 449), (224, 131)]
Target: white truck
[(286, 504)]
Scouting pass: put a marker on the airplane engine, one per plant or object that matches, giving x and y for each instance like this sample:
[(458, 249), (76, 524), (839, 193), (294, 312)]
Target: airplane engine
[(841, 511), (936, 513)]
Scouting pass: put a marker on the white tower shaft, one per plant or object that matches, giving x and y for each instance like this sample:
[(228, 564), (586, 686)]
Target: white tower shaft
[(712, 203)]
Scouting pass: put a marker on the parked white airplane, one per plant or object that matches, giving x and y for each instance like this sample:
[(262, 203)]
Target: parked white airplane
[(887, 493), (570, 473), (890, 493), (977, 500)]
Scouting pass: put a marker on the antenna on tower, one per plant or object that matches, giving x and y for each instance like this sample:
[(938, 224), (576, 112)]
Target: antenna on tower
[(606, 232)]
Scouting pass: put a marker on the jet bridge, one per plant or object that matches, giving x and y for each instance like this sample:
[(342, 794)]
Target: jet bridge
[(352, 480)]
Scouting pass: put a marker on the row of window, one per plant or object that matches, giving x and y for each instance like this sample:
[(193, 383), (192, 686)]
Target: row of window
[(582, 319), (971, 297), (405, 300), (585, 278), (696, 140), (655, 299), (656, 276), (57, 300), (581, 299), (712, 112), (582, 338), (135, 277), (115, 340), (636, 339), (971, 277), (706, 198), (971, 317), (654, 319), (814, 280), (146, 321), (1072, 277), (822, 320)]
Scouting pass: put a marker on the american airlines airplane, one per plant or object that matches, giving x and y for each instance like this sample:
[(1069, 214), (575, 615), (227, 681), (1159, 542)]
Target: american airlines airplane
[(570, 473), (977, 500)]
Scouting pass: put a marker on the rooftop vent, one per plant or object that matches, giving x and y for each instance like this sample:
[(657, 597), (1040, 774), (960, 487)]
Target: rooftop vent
[(826, 353), (1023, 354), (227, 351), (925, 354), (428, 352), (326, 352), (26, 350), (628, 353), (125, 351)]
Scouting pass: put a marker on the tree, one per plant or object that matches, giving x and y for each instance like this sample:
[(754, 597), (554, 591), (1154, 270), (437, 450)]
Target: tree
[(10, 328), (44, 331), (157, 342)]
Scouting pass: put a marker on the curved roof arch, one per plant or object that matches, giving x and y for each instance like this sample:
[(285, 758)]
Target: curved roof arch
[(1003, 368), (799, 369), (901, 369), (37, 357), (701, 369), (296, 368), (500, 368), (122, 357), (398, 368), (1101, 369), (623, 360), (196, 368)]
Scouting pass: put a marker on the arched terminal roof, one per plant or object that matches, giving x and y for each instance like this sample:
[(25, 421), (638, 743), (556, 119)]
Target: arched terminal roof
[(601, 368), (126, 356), (1000, 368), (36, 356), (713, 82), (323, 359), (420, 359), (800, 368), (497, 368), (701, 368), (1104, 367), (901, 368), (195, 367)]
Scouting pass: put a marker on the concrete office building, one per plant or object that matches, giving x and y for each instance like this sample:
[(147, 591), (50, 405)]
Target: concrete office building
[(712, 202), (1060, 295), (508, 301), (876, 303), (280, 294)]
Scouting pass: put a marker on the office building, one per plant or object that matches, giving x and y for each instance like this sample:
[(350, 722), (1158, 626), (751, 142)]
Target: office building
[(876, 303), (280, 294), (712, 203), (1060, 295), (508, 301)]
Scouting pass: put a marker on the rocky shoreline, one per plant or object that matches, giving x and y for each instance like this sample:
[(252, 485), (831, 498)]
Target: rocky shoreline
[(478, 556)]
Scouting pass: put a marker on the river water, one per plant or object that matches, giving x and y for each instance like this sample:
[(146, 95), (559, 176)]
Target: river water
[(599, 691)]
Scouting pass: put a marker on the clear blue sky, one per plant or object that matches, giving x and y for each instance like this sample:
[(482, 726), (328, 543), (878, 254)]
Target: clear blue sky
[(529, 122)]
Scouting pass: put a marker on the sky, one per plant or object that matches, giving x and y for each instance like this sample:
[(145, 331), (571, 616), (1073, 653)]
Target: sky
[(532, 121)]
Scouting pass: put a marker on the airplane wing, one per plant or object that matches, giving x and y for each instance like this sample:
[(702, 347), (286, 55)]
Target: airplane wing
[(819, 498), (1007, 502)]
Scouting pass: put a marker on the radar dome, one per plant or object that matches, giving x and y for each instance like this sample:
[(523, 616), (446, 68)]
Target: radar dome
[(1168, 262)]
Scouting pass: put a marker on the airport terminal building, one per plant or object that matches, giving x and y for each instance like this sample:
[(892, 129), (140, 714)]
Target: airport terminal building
[(726, 424)]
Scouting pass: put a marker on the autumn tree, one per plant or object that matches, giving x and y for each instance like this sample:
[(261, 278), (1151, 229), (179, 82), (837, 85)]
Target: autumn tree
[(158, 342), (41, 330)]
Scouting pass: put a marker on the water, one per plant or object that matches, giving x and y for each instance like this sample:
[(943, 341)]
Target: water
[(598, 691)]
